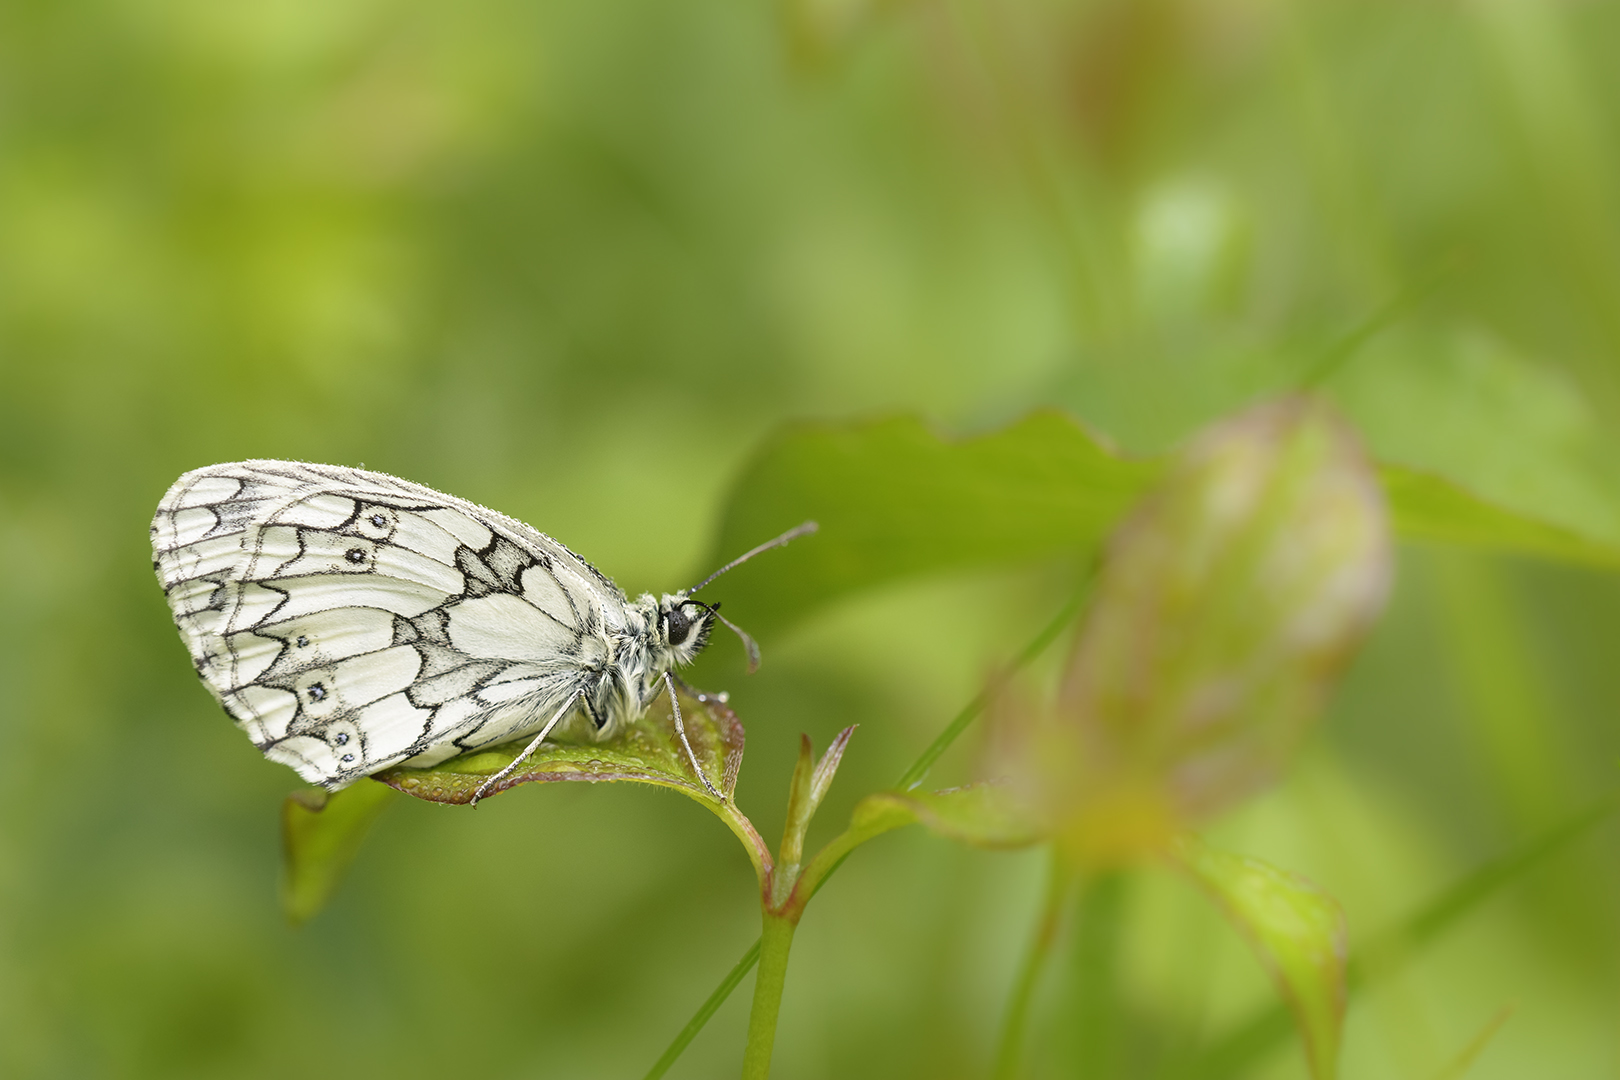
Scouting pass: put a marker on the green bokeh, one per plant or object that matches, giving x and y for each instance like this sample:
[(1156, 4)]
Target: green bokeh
[(574, 261)]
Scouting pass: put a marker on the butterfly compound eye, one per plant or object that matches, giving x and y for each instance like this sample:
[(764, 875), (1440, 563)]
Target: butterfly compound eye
[(677, 625)]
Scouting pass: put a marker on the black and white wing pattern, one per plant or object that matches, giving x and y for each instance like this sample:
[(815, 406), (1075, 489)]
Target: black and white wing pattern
[(349, 621)]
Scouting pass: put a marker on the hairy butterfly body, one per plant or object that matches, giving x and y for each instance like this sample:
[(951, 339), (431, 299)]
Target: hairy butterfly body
[(349, 621)]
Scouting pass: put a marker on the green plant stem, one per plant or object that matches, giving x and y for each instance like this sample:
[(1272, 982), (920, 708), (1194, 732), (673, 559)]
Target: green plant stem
[(758, 852), (1476, 1046), (775, 941), (701, 1017), (909, 779), (915, 775), (1009, 1054), (1097, 1018), (1392, 311)]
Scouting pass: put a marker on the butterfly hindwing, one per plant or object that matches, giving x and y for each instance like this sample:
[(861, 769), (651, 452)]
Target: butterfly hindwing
[(348, 620)]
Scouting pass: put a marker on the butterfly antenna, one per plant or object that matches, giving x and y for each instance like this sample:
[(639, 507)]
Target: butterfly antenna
[(781, 541), (750, 646)]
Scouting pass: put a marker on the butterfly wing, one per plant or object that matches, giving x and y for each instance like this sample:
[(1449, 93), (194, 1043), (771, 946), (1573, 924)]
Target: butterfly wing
[(349, 620)]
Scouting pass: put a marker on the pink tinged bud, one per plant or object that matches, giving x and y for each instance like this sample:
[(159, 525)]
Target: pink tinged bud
[(1227, 604)]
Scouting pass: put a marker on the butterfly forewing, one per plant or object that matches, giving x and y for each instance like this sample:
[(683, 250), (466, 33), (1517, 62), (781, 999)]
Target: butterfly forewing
[(348, 620)]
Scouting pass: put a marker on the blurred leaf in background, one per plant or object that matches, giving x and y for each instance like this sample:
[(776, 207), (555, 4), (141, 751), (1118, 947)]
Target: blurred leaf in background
[(574, 262), (1299, 933)]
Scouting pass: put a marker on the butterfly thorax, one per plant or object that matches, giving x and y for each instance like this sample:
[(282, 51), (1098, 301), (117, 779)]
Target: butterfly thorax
[(659, 634)]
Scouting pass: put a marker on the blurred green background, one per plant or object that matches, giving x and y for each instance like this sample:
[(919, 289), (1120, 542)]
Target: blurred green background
[(573, 260)]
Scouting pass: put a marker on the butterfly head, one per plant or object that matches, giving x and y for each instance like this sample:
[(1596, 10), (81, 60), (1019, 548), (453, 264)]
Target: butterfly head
[(684, 623), (683, 626)]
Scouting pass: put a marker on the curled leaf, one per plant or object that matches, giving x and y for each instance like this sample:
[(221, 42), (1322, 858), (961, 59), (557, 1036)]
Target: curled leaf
[(320, 835), (1298, 932), (811, 779)]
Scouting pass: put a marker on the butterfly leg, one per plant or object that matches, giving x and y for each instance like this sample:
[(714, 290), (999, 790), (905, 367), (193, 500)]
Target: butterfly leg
[(702, 695), (534, 745), (680, 729)]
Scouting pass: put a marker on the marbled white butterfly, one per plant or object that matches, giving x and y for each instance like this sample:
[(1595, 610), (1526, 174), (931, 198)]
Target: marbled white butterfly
[(350, 621)]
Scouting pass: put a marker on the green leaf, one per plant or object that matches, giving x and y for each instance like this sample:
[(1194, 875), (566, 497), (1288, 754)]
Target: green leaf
[(990, 815), (1429, 509), (985, 815), (1298, 933), (897, 499), (320, 835), (648, 752), (1235, 1053)]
